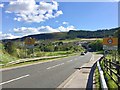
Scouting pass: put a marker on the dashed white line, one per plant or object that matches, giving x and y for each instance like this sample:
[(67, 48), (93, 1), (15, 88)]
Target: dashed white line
[(14, 79), (70, 61), (55, 66)]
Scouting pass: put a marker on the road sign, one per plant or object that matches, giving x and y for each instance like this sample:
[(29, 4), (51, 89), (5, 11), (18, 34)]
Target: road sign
[(29, 41), (105, 47), (110, 43)]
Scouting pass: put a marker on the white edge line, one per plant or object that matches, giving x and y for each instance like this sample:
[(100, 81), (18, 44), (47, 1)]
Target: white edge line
[(14, 79)]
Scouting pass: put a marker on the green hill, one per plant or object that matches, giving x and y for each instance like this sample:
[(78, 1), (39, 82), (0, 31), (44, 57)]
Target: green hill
[(72, 34)]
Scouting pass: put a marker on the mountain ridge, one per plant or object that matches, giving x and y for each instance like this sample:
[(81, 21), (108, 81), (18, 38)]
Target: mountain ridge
[(70, 35)]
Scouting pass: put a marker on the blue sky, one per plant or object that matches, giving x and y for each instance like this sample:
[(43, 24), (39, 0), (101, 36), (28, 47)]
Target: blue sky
[(19, 20)]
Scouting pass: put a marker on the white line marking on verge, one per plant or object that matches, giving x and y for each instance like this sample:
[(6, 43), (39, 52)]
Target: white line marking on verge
[(55, 66), (15, 79)]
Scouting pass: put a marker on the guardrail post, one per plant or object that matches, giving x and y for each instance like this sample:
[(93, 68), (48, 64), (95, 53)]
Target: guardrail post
[(118, 72), (105, 63)]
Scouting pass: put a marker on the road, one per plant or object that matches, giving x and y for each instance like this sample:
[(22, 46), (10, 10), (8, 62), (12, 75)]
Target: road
[(43, 75)]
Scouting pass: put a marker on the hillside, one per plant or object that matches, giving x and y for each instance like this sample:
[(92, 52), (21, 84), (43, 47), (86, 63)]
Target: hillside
[(72, 34)]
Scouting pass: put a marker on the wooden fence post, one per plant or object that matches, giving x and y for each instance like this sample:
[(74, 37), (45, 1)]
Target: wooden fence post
[(104, 64), (107, 65), (118, 72)]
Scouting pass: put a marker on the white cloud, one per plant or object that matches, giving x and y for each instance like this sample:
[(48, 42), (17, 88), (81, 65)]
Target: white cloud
[(30, 30), (63, 29), (58, 13), (1, 5), (56, 21), (24, 31), (29, 11), (43, 29), (7, 36), (65, 23)]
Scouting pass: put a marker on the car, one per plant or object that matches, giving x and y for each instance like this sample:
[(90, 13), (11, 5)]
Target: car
[(82, 53)]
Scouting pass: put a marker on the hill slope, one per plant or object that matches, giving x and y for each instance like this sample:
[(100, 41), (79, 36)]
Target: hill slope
[(72, 34)]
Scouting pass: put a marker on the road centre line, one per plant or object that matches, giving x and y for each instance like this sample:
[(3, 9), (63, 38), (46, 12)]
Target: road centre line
[(70, 61), (14, 79), (55, 66)]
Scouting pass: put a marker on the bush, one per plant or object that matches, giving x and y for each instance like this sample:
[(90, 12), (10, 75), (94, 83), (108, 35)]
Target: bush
[(96, 45), (10, 48)]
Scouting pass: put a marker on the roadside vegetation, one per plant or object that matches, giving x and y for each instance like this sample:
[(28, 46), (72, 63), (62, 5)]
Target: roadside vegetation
[(97, 79), (110, 83), (110, 56), (15, 50)]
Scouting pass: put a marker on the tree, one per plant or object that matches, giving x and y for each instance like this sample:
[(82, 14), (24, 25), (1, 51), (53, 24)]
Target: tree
[(9, 47), (96, 45)]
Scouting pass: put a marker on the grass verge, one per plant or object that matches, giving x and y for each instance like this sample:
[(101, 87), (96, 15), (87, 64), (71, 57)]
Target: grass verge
[(37, 61), (110, 83), (97, 79), (32, 62)]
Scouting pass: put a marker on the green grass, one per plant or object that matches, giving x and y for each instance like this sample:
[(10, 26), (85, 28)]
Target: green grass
[(58, 53), (77, 40), (5, 57), (110, 83), (69, 40), (33, 62), (41, 60), (97, 79), (99, 52)]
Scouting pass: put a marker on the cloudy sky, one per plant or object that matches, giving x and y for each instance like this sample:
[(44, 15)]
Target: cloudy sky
[(25, 17)]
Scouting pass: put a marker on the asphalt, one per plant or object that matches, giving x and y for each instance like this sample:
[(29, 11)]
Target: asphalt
[(83, 77), (43, 75)]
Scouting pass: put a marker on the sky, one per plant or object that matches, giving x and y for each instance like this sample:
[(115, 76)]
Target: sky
[(26, 17)]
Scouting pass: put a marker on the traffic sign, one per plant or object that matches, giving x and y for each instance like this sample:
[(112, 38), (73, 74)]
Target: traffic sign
[(105, 47), (29, 41), (110, 41)]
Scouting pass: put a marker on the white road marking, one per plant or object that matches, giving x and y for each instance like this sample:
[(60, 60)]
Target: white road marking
[(14, 79), (55, 66), (92, 58), (70, 61)]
